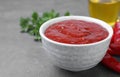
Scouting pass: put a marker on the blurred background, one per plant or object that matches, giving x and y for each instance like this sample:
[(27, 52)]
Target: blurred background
[(22, 7)]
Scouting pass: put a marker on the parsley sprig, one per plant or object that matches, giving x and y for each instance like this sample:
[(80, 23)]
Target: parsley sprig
[(32, 24)]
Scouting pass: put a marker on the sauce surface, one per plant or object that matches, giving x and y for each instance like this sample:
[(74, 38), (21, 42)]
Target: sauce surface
[(76, 32)]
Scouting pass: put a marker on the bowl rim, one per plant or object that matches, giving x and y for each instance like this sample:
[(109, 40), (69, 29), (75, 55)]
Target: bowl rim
[(45, 25)]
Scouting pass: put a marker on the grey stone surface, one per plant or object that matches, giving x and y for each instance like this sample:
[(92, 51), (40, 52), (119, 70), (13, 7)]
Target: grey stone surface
[(20, 56)]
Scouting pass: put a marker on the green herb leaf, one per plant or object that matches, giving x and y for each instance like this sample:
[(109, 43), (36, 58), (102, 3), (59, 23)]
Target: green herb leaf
[(32, 24), (67, 13)]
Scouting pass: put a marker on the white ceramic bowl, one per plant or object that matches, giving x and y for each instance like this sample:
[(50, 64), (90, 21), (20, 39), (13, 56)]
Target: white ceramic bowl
[(75, 57)]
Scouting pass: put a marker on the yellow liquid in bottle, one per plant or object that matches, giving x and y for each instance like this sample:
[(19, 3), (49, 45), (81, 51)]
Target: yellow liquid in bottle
[(105, 10)]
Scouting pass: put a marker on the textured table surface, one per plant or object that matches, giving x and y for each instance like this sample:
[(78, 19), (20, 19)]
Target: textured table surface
[(20, 56)]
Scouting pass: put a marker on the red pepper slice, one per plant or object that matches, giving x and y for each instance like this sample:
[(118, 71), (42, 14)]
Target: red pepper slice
[(111, 62)]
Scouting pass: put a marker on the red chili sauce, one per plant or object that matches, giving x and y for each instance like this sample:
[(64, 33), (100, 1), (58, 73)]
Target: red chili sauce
[(76, 32)]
